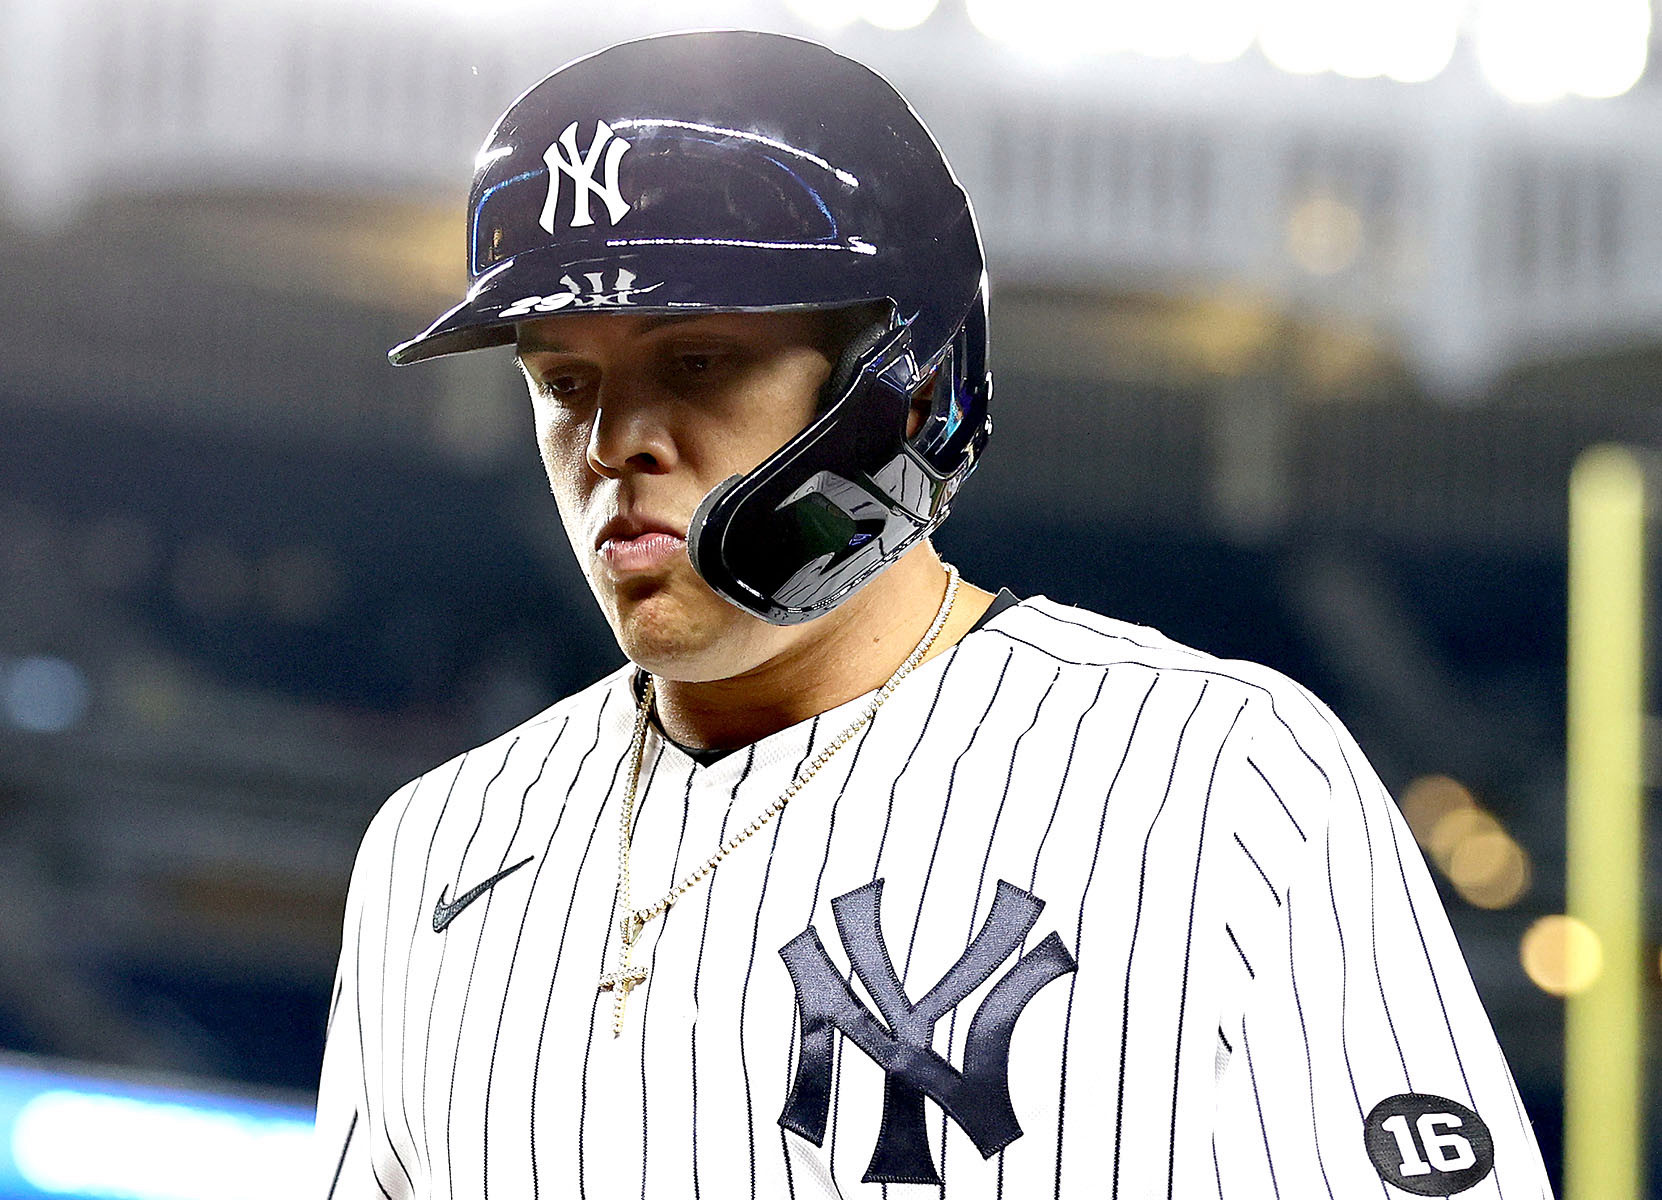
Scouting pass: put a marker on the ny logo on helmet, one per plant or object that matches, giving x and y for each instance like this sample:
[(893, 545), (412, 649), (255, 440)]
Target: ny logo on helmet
[(563, 158), (622, 294)]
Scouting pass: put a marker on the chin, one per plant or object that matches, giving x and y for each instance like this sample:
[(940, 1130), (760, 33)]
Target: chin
[(691, 638)]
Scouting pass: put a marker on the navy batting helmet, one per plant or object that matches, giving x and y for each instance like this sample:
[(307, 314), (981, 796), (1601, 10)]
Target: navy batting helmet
[(750, 172)]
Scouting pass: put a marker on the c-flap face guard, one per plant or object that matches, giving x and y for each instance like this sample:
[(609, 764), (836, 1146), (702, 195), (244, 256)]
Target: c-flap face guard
[(824, 513)]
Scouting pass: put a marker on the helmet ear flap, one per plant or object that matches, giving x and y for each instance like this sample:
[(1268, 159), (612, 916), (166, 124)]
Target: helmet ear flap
[(791, 539)]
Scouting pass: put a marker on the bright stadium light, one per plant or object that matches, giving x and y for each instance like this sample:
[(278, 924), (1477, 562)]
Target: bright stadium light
[(1296, 35), (829, 15), (996, 19), (1324, 234), (1156, 30), (1204, 30), (1006, 20), (1411, 41), (1361, 35), (1608, 53), (1537, 50), (1211, 31), (1219, 31), (43, 694), (1561, 955), (1419, 43), (1052, 29), (1517, 44), (97, 1145), (898, 14)]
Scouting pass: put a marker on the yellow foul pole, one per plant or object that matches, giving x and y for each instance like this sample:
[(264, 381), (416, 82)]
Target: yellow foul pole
[(1603, 1050)]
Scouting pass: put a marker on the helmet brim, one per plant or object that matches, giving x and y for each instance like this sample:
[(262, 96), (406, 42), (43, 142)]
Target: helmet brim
[(645, 276)]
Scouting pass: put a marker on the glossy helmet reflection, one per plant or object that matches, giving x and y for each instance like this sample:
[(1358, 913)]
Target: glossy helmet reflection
[(751, 172)]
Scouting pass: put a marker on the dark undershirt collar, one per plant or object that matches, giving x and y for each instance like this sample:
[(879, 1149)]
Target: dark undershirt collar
[(708, 758)]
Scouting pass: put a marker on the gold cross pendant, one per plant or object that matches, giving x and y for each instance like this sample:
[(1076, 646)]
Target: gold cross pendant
[(621, 981)]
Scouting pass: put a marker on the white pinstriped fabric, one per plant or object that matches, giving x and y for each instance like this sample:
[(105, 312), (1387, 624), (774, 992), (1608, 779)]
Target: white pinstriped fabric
[(1261, 955)]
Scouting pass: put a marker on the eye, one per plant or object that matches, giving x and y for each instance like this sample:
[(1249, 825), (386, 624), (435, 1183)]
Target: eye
[(698, 365), (558, 385)]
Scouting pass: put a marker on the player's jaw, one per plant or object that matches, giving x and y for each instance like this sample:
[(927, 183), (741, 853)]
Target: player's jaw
[(665, 617), (670, 623), (634, 554), (644, 582)]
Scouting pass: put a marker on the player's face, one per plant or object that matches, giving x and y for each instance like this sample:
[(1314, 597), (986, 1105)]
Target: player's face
[(638, 417)]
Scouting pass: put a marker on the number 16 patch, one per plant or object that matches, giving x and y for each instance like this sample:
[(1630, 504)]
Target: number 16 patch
[(1428, 1145)]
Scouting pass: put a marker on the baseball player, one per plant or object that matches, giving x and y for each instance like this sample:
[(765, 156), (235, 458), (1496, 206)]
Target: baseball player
[(857, 880)]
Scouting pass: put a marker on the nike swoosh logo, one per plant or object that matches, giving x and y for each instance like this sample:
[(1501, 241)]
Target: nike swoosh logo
[(444, 913)]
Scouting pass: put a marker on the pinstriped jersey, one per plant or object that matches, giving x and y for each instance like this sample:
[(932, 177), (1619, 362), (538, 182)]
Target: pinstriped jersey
[(1080, 912)]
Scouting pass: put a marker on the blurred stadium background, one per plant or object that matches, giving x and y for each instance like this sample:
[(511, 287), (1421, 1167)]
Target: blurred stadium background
[(1302, 311)]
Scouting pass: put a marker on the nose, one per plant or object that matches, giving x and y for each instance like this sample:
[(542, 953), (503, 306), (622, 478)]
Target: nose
[(629, 434)]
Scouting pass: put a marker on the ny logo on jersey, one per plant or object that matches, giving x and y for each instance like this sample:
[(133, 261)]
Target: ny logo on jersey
[(978, 1097), (563, 158), (622, 294)]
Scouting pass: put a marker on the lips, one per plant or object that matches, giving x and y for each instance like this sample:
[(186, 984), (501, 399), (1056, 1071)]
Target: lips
[(629, 544)]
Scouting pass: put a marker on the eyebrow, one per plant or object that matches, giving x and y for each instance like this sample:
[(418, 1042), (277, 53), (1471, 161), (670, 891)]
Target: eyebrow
[(546, 345)]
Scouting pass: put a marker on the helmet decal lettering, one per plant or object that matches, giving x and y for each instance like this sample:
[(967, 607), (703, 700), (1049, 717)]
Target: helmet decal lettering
[(621, 295), (563, 158)]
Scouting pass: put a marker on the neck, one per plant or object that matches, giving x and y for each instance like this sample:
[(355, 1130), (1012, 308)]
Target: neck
[(844, 654)]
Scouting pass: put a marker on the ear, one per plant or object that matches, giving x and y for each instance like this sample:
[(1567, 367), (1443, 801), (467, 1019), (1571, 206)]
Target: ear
[(923, 401)]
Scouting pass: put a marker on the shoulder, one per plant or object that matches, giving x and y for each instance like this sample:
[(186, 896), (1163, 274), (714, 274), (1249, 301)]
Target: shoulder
[(1280, 718), (1079, 637)]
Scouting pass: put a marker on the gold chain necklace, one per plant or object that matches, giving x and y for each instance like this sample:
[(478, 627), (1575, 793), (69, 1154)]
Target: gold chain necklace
[(632, 920)]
